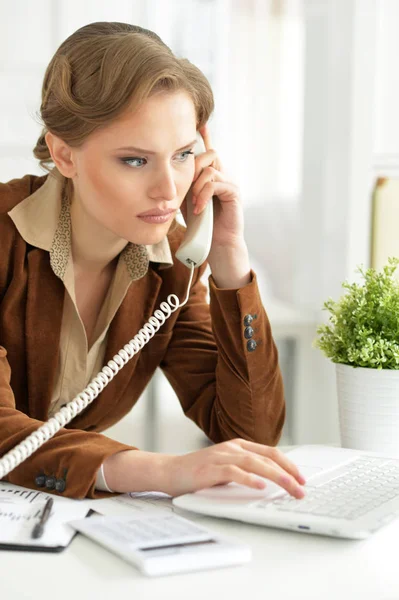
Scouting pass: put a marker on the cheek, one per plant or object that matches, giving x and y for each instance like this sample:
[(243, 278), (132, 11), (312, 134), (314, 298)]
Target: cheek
[(93, 179), (103, 191)]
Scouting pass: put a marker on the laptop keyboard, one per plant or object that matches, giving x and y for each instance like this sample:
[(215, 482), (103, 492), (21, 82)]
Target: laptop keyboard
[(354, 490)]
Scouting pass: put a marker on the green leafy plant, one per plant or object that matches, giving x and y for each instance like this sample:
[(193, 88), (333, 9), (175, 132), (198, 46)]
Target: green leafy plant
[(363, 327)]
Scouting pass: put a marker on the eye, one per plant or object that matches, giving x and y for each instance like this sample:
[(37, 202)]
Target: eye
[(130, 159), (186, 154)]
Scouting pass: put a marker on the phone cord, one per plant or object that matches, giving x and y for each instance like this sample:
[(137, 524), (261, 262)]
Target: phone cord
[(24, 449)]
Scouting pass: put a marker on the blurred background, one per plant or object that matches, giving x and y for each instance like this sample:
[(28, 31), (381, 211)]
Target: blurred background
[(306, 120)]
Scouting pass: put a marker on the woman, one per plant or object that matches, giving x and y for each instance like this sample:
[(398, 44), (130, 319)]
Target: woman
[(87, 256)]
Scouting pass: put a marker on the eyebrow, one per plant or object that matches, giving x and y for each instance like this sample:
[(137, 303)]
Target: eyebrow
[(143, 151)]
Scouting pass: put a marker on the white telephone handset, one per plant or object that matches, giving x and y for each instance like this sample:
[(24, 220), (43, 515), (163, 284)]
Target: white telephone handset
[(192, 252), (197, 241)]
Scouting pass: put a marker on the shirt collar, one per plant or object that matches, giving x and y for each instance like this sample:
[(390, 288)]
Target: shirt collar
[(43, 220)]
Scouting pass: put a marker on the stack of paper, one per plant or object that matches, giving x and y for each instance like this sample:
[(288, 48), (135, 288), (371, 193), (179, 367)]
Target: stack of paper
[(20, 510)]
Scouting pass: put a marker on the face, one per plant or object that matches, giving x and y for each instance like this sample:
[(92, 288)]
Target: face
[(134, 194)]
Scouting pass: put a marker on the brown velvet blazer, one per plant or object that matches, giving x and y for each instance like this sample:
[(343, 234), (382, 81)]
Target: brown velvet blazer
[(226, 389)]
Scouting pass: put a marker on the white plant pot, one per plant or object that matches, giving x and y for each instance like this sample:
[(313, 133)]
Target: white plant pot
[(368, 402)]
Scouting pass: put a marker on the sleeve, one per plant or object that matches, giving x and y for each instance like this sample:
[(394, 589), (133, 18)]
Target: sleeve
[(223, 364), (73, 455)]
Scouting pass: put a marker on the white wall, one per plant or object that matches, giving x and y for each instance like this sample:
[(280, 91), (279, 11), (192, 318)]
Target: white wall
[(386, 120), (351, 136)]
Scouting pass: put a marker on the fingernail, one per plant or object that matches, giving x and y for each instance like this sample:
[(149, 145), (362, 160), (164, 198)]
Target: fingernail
[(300, 493), (301, 479)]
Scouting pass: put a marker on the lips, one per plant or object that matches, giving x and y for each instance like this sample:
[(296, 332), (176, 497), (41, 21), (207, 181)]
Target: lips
[(157, 213)]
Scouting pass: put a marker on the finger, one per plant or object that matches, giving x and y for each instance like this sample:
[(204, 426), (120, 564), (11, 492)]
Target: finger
[(203, 160), (205, 196), (245, 456), (222, 474), (208, 174), (206, 136), (226, 192), (249, 462), (276, 455)]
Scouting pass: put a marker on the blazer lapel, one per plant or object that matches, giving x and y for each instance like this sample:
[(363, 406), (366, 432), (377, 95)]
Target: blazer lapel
[(45, 298)]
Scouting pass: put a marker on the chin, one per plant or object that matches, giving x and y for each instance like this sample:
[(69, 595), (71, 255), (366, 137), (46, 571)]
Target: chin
[(148, 234)]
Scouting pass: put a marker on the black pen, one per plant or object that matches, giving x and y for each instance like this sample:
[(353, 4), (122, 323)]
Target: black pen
[(39, 527)]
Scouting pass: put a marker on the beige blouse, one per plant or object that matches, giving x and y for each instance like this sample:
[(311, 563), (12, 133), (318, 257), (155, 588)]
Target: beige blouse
[(43, 220)]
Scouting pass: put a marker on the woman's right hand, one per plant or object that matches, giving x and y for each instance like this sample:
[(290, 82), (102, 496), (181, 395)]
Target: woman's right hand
[(237, 460)]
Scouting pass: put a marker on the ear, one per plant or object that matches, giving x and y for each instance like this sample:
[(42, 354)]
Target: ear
[(61, 154)]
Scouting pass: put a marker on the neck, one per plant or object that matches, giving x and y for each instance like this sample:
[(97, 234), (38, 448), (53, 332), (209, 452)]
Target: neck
[(94, 248)]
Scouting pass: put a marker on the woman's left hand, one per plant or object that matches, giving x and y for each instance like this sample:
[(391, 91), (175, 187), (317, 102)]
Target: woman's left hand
[(210, 180)]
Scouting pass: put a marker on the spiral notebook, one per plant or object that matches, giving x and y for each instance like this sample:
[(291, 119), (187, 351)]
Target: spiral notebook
[(20, 510)]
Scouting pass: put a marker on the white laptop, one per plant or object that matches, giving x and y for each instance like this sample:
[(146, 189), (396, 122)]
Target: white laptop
[(349, 493)]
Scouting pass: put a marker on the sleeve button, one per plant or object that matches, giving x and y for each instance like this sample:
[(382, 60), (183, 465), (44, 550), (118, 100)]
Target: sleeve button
[(248, 332), (248, 320), (251, 345), (60, 485), (50, 482), (40, 480)]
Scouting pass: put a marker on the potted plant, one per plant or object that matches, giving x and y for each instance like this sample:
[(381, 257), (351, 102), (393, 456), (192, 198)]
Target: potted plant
[(362, 339)]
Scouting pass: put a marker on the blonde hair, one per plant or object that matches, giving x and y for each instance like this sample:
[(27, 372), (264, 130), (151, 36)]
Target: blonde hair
[(102, 69)]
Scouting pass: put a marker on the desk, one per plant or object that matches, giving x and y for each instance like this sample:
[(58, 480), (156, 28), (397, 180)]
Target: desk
[(285, 566)]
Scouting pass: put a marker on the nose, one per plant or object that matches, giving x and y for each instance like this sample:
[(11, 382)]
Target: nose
[(164, 187)]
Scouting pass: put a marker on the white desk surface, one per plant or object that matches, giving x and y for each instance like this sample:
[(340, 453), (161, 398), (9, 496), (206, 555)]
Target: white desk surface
[(285, 566)]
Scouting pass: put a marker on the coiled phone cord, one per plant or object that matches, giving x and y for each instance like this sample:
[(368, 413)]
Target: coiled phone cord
[(46, 431)]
